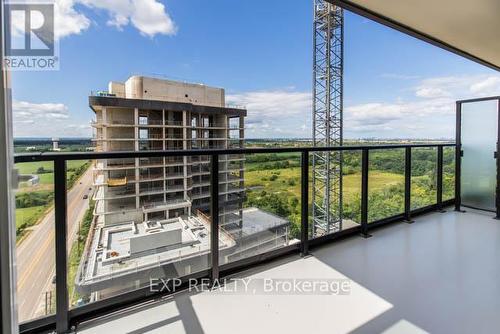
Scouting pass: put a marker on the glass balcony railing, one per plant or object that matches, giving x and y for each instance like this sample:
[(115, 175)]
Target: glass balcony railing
[(258, 206)]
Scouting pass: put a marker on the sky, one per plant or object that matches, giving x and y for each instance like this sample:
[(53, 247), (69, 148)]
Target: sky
[(260, 51)]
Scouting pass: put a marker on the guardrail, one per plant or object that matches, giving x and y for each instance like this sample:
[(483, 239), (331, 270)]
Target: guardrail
[(65, 317)]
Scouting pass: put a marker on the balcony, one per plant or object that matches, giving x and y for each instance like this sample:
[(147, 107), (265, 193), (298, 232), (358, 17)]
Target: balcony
[(173, 203), (247, 235), (151, 190), (118, 164), (412, 265), (150, 122), (114, 192)]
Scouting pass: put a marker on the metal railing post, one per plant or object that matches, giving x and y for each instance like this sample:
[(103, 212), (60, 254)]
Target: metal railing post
[(458, 157), (439, 179), (62, 303), (364, 192), (408, 185), (497, 163), (214, 208), (304, 221)]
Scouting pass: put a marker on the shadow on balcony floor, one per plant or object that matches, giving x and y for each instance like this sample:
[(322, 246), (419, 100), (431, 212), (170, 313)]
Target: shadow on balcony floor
[(438, 275)]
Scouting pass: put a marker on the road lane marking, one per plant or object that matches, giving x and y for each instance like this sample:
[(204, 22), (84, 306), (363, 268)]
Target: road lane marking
[(34, 263), (36, 259)]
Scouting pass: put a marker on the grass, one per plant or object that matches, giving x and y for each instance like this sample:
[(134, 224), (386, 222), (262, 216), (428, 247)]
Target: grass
[(46, 178), (29, 216), (262, 178), (73, 263), (26, 217), (77, 249), (32, 167), (288, 181)]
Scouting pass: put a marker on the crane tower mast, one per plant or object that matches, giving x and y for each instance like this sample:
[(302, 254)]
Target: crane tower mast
[(327, 117)]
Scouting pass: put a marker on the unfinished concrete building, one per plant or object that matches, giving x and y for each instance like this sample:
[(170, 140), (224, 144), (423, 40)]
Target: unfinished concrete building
[(152, 215), (148, 114)]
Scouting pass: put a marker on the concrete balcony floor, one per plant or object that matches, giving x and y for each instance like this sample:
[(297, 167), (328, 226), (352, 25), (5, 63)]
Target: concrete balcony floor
[(438, 275)]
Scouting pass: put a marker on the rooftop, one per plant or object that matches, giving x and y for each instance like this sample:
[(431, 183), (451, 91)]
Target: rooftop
[(158, 94), (129, 250)]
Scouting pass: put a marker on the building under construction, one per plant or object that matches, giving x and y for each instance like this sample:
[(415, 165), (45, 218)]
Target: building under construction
[(153, 213)]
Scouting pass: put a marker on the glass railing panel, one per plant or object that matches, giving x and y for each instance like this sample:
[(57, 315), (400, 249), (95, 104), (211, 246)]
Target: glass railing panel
[(351, 189), (448, 173), (259, 205), (385, 183), (134, 242), (113, 228), (325, 218), (35, 242), (35, 222), (81, 206), (423, 177)]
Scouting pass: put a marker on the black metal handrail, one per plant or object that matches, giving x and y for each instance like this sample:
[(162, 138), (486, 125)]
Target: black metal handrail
[(65, 317), (50, 156)]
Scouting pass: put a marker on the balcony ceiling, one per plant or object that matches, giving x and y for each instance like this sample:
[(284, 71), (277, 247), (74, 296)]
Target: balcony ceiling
[(469, 28)]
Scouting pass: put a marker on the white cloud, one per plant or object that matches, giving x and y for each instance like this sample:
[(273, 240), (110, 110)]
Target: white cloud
[(488, 86), (275, 113), (430, 114), (45, 120), (274, 102), (67, 20), (23, 109), (398, 119), (459, 87), (149, 17), (431, 92), (287, 112), (373, 113)]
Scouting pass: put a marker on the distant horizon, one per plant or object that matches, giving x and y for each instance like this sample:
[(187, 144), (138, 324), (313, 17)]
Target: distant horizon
[(261, 139)]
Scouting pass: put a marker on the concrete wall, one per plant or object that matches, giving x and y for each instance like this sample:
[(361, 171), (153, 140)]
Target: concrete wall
[(116, 88), (149, 241), (119, 218), (138, 87), (120, 116)]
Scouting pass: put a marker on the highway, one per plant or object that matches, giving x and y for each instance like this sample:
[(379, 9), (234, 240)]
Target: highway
[(36, 254)]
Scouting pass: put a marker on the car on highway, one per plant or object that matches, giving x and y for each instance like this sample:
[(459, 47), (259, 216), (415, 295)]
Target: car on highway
[(85, 196)]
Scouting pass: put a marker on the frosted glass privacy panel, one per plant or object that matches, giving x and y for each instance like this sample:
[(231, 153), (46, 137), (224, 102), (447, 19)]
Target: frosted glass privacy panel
[(479, 139)]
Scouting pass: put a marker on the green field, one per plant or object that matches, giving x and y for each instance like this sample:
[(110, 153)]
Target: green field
[(288, 181), (47, 178), (28, 216), (272, 182), (33, 201)]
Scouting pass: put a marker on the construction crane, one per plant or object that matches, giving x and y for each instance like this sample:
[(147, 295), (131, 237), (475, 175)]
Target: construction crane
[(327, 117)]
